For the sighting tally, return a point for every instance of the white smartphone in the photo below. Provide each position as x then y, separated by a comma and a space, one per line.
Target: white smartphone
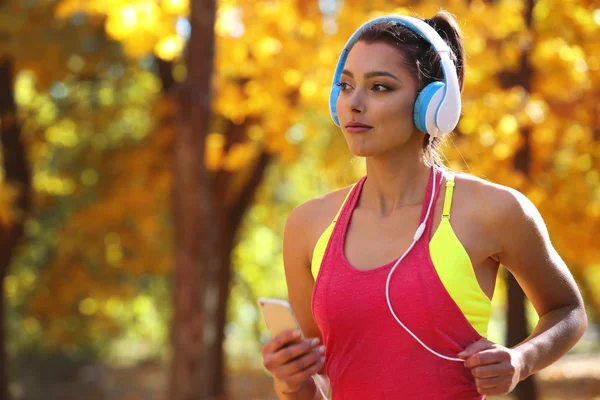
278, 315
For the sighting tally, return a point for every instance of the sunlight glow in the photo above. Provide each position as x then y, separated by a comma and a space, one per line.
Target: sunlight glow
229, 22
24, 88
175, 6
183, 28
129, 17
169, 48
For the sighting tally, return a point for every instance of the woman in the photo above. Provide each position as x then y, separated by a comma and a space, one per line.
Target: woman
413, 327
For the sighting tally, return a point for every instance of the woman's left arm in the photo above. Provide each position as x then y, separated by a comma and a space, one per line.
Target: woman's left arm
526, 251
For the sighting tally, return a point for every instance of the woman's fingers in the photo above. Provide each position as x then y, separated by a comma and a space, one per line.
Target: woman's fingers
280, 341
306, 359
292, 360
300, 376
285, 354
295, 350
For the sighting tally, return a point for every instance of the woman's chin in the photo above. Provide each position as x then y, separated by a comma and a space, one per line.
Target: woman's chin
363, 151
363, 145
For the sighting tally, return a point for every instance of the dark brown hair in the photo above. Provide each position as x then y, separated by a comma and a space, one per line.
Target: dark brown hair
420, 58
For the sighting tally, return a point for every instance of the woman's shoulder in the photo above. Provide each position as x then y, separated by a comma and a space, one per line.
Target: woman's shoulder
320, 209
491, 201
308, 220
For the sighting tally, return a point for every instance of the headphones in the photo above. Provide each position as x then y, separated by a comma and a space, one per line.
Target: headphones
438, 106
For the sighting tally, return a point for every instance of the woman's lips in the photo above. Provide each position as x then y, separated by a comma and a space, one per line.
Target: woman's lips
357, 129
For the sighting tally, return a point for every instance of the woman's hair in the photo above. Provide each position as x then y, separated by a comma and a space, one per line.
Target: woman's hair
420, 57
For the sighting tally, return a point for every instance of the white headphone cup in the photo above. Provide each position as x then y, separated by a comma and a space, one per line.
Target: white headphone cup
429, 98
432, 109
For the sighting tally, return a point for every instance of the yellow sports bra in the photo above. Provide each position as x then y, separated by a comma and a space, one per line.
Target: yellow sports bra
451, 262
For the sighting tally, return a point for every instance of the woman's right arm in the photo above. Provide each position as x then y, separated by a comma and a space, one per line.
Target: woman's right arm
293, 365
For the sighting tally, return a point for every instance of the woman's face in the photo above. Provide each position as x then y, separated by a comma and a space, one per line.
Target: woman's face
376, 90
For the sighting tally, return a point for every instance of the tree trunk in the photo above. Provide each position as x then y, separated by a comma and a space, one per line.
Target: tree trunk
589, 296
192, 210
229, 219
16, 172
517, 329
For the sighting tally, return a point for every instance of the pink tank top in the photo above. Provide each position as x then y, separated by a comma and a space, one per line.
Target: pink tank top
368, 354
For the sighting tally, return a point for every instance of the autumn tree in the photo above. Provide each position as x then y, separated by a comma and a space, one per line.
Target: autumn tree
16, 189
193, 211
52, 84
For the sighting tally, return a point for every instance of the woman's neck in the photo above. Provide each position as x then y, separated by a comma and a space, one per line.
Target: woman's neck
394, 181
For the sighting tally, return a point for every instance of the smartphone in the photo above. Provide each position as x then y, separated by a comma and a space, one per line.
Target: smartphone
278, 315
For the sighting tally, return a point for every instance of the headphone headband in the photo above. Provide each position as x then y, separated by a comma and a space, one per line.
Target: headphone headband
447, 111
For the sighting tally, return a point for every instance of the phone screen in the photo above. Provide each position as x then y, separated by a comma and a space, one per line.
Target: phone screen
278, 315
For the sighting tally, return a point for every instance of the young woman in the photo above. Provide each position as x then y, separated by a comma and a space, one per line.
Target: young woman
395, 314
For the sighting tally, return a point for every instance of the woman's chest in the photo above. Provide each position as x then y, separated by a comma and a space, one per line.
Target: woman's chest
373, 242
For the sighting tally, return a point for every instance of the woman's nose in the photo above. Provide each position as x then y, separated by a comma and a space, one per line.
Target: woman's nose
355, 103
356, 110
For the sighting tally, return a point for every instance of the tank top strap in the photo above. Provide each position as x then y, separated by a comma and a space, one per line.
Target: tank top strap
438, 180
448, 197
346, 211
344, 203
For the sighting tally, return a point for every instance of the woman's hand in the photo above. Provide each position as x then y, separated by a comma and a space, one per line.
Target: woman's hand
292, 360
497, 369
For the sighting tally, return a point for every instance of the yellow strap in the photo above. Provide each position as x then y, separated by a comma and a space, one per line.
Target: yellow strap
448, 198
343, 203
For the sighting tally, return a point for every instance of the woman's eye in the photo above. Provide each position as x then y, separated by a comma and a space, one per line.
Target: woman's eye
380, 88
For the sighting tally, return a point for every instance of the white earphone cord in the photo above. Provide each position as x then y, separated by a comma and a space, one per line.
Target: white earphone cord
416, 238
320, 384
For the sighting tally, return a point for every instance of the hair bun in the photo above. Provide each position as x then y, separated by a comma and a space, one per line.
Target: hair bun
447, 27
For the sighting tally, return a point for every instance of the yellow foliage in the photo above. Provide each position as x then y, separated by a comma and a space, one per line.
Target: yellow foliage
179, 7
139, 24
239, 156
215, 143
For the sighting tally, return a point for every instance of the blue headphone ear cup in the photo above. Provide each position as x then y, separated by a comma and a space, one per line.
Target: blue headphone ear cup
426, 107
335, 92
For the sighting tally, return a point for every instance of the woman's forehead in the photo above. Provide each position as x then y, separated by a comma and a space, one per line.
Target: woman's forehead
367, 56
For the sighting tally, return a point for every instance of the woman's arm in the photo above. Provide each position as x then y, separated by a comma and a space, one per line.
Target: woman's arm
526, 251
298, 243
547, 282
300, 235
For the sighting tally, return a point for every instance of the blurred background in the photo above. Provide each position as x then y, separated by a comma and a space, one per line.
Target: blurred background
140, 221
